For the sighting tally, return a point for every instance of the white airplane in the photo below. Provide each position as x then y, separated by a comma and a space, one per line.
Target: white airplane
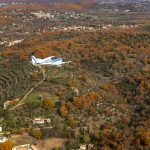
52, 60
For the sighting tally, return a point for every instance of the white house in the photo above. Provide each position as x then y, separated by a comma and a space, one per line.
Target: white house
3, 139
6, 104
23, 147
41, 120
82, 147
1, 129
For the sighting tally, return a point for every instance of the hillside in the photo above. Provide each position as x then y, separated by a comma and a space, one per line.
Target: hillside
105, 89
74, 1
100, 100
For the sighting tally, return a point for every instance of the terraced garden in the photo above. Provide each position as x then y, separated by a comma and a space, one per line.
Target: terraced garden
17, 80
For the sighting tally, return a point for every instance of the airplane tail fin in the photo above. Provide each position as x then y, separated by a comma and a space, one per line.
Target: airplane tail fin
33, 60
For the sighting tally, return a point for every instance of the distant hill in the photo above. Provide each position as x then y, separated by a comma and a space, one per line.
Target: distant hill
75, 1
64, 1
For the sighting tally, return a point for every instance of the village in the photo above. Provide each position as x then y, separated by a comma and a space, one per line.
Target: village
38, 123
30, 23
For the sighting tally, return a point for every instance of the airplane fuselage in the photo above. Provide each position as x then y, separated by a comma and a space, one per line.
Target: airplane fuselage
53, 61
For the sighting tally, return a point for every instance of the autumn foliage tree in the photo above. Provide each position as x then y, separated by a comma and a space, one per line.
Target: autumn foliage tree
86, 101
48, 104
143, 136
63, 110
6, 145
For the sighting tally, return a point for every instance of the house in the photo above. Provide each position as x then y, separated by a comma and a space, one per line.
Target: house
1, 129
82, 147
12, 43
86, 147
6, 135
3, 139
6, 104
90, 146
41, 121
22, 147
1, 124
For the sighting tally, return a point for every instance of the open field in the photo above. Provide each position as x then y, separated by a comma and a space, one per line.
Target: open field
47, 144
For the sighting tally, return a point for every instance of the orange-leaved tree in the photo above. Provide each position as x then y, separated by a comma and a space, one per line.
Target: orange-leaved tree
6, 145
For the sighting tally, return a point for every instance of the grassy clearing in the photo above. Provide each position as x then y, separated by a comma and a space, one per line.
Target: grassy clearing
39, 96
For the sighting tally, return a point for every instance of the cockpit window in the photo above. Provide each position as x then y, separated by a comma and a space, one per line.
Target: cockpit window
53, 58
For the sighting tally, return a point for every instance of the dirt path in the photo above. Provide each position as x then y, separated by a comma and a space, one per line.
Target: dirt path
21, 102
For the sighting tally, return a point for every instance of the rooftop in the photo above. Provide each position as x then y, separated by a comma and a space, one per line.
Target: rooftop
22, 147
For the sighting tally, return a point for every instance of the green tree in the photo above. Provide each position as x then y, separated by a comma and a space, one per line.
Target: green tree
36, 133
47, 104
86, 138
